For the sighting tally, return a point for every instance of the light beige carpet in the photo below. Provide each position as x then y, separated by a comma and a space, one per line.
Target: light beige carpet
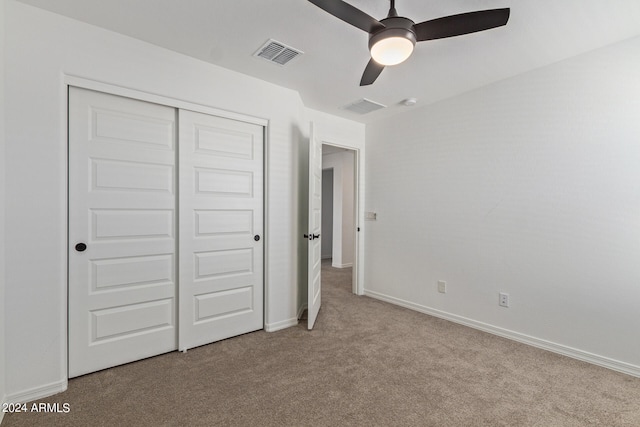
366, 363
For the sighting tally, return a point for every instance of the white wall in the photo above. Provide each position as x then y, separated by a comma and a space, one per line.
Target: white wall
529, 186
342, 241
41, 48
2, 208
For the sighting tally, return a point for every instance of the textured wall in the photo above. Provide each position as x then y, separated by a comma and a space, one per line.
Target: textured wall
2, 208
529, 186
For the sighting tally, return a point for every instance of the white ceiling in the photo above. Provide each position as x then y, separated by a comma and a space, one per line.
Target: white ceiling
327, 76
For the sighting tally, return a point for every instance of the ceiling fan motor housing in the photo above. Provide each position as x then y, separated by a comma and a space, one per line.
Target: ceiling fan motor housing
396, 26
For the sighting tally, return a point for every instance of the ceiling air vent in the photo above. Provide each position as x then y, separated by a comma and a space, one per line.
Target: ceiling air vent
280, 53
364, 106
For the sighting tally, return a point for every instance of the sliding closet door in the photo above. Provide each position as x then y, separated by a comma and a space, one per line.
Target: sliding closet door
122, 230
221, 228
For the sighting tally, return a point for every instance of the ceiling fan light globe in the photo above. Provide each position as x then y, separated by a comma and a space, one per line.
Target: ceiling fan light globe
392, 50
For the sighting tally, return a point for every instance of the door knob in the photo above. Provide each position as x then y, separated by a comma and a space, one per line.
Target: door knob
81, 247
256, 237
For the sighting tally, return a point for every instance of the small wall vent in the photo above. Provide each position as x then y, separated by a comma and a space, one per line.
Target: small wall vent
364, 106
276, 52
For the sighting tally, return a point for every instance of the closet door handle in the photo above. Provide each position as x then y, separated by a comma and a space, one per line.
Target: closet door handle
81, 247
256, 237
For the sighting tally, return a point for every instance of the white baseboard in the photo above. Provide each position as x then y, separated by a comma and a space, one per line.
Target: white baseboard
37, 392
585, 356
349, 264
283, 324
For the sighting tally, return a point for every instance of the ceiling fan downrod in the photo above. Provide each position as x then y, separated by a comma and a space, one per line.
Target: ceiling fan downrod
392, 11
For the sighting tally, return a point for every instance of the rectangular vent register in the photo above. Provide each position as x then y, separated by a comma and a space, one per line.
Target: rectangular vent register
276, 52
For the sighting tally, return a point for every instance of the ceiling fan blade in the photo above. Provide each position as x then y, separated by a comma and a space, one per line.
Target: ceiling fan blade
349, 14
464, 23
371, 73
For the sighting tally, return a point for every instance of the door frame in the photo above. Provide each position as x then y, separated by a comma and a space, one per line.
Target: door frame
83, 83
357, 282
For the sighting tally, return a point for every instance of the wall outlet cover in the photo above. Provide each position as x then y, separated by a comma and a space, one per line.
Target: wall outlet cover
503, 300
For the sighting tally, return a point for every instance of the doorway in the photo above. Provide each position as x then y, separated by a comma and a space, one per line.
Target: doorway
339, 208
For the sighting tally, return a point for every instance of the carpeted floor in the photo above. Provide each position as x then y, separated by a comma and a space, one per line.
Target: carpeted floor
367, 363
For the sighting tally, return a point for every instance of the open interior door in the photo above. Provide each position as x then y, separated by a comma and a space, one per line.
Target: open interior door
315, 222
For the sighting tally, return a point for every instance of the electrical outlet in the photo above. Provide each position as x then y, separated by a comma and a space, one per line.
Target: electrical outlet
442, 286
503, 299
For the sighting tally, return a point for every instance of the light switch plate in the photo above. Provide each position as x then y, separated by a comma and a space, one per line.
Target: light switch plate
442, 286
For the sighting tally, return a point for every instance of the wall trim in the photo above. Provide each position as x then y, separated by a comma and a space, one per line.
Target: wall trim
605, 362
283, 324
38, 392
266, 302
126, 92
349, 264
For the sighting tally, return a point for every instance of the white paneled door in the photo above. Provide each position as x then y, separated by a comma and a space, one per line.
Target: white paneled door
314, 293
137, 216
122, 230
221, 236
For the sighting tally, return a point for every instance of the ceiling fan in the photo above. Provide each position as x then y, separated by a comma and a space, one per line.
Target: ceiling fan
392, 39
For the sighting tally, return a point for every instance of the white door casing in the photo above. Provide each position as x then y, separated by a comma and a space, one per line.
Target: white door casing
314, 294
221, 228
122, 182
